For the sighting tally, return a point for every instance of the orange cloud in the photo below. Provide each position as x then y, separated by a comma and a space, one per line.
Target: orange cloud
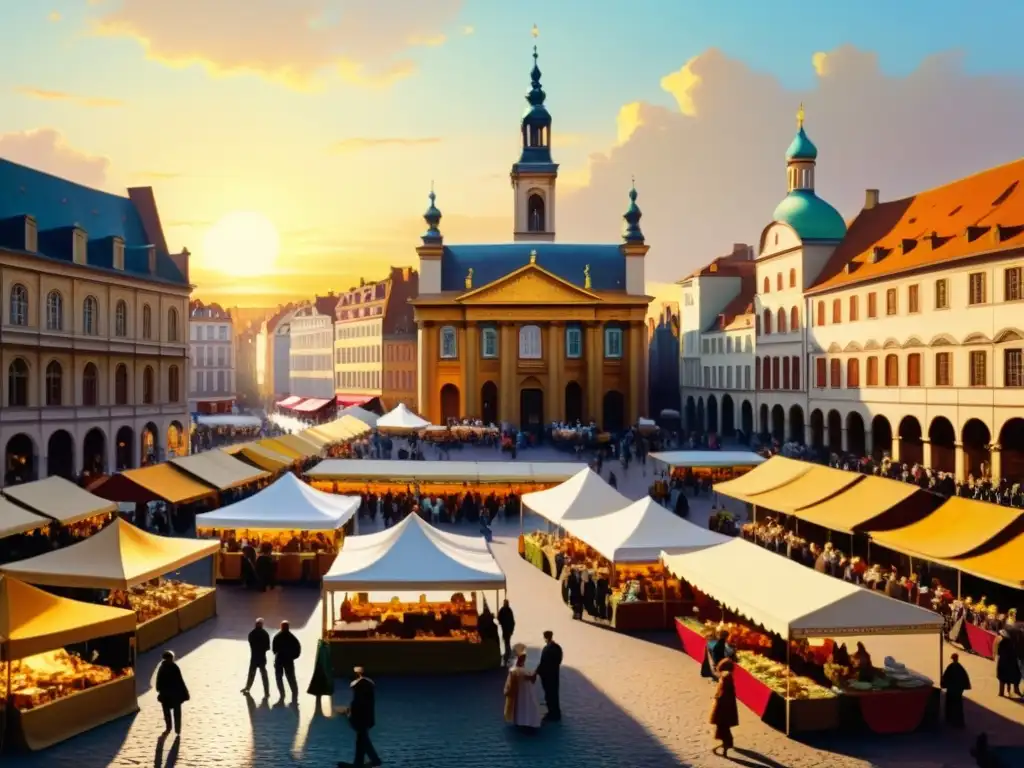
41, 94
294, 43
363, 142
46, 150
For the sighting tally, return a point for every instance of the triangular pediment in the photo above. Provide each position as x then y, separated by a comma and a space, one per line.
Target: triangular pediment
529, 285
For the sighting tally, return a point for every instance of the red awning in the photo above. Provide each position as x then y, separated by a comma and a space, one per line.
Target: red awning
290, 402
313, 404
347, 401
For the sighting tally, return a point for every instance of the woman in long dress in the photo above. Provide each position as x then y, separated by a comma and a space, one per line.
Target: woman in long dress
521, 707
724, 715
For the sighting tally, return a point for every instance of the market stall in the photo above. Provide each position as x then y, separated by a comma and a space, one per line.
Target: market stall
15, 520
130, 563
409, 602
63, 502
401, 420
235, 420
783, 621
65, 666
367, 417
288, 531
157, 482
219, 470
260, 457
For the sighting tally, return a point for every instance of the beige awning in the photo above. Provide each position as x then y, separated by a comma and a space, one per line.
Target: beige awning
274, 444
261, 457
15, 520
811, 487
316, 438
60, 499
855, 508
956, 529
774, 473
219, 469
305, 448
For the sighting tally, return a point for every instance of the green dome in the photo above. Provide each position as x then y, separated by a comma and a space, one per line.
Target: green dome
810, 216
801, 148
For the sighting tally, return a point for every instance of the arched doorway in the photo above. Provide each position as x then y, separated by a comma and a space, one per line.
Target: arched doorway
712, 414
796, 424
976, 439
691, 415
177, 440
835, 432
149, 445
747, 419
1011, 438
778, 424
450, 403
489, 403
911, 447
764, 430
698, 423
942, 436
817, 429
531, 405
20, 460
881, 437
573, 403
60, 455
614, 411
94, 452
125, 449
856, 439
728, 417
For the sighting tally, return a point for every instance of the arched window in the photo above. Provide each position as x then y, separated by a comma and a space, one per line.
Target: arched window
778, 281
121, 384
853, 373
54, 311
757, 373
767, 285
781, 321
90, 311
449, 345
148, 394
147, 322
914, 370
172, 324
17, 383
796, 372
766, 373
535, 213
785, 373
837, 311
90, 385
872, 371
173, 385
54, 383
121, 319
776, 379
529, 343
794, 319
766, 322
892, 371
19, 305
820, 319
835, 375
792, 278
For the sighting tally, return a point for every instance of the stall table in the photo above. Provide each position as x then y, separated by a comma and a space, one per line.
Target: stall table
980, 640
160, 629
428, 655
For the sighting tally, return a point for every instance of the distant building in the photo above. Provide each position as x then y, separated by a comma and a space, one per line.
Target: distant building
94, 329
246, 390
375, 342
663, 349
311, 351
273, 343
212, 352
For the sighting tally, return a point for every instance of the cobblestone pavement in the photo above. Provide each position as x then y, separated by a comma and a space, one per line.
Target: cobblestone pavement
628, 702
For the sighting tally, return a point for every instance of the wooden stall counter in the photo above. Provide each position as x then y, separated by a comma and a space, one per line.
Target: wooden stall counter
646, 615
980, 641
203, 608
289, 567
157, 631
421, 656
691, 636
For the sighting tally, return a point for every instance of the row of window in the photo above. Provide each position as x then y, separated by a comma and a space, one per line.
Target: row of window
400, 353
18, 384
357, 379
728, 345
314, 362
721, 377
767, 284
361, 331
530, 343
777, 373
210, 356
311, 340
209, 384
209, 332
364, 354
785, 322
90, 315
403, 381
829, 373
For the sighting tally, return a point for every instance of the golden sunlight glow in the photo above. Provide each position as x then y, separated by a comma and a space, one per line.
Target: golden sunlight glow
242, 244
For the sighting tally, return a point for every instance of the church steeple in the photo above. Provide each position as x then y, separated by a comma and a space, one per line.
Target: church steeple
801, 158
432, 216
632, 232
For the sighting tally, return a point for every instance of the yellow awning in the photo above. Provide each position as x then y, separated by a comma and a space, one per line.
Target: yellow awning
33, 621
859, 504
170, 484
218, 469
60, 499
1004, 565
317, 438
775, 472
263, 457
231, 450
305, 448
15, 520
118, 557
957, 528
355, 427
275, 445
817, 485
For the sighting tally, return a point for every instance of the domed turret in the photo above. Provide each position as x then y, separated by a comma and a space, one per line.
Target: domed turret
632, 232
801, 148
432, 217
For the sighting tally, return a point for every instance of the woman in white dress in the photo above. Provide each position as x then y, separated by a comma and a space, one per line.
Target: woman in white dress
521, 706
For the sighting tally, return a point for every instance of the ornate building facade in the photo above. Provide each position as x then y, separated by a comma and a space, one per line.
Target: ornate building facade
533, 331
212, 351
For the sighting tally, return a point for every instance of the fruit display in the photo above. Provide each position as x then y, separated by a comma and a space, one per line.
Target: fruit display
46, 677
152, 600
776, 676
397, 620
741, 637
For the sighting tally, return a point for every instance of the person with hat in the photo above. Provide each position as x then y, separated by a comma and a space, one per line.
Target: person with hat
171, 692
521, 707
361, 717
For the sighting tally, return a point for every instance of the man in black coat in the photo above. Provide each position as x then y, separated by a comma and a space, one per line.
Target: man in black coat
361, 717
286, 649
259, 645
548, 672
507, 622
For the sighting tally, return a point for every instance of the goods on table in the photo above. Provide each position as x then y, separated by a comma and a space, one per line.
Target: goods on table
741, 638
397, 620
46, 677
155, 599
776, 675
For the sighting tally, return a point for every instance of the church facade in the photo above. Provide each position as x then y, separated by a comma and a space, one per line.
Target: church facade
533, 331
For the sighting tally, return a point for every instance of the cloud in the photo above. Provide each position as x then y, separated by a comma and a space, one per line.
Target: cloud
358, 144
41, 94
54, 16
295, 43
469, 29
711, 170
46, 150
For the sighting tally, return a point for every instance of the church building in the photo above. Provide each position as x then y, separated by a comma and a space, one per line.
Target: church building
533, 331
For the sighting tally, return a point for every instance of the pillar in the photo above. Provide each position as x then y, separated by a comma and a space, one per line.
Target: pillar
594, 350
507, 354
995, 462
844, 443
555, 406
960, 472
429, 399
894, 452
926, 453
635, 362
470, 384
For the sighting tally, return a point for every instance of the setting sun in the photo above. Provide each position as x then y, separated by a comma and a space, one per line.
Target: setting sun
242, 244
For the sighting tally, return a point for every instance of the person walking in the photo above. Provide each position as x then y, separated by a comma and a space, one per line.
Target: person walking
507, 622
361, 717
286, 649
1008, 671
259, 646
724, 715
548, 670
171, 692
955, 681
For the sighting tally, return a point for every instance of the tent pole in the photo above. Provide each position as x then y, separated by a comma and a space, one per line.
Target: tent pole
959, 576
789, 673
664, 598
323, 614
942, 661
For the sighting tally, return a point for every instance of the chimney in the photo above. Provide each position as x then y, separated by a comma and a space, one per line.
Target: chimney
870, 199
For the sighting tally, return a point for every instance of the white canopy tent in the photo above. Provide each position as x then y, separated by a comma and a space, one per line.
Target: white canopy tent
482, 472
228, 420
709, 459
287, 504
401, 418
583, 495
640, 532
368, 418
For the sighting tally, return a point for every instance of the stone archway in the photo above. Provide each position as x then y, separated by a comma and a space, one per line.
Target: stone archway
911, 445
881, 437
747, 419
149, 445
796, 425
728, 417
94, 452
691, 415
764, 426
835, 432
778, 424
699, 421
817, 429
614, 411
450, 403
1011, 439
177, 440
712, 414
942, 437
489, 402
856, 436
976, 439
60, 455
124, 450
573, 403
20, 460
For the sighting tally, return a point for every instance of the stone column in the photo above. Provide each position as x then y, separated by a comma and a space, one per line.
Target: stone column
508, 353
996, 462
471, 386
428, 397
926, 453
634, 360
894, 452
960, 473
594, 350
555, 406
